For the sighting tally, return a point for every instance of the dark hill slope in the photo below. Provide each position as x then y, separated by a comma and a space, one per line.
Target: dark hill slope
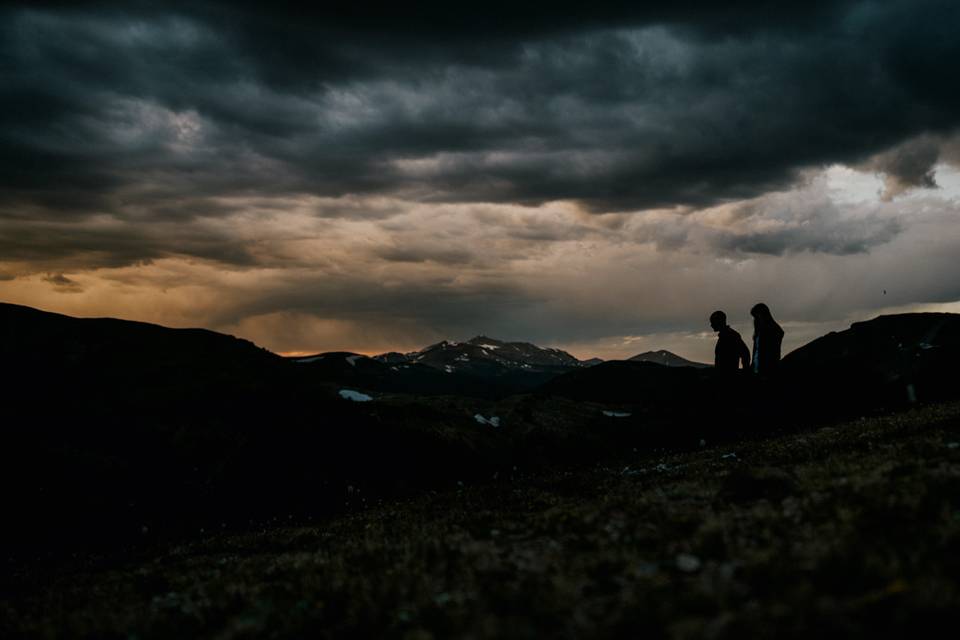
349, 369
881, 363
848, 531
482, 379
371, 374
631, 382
662, 405
112, 427
54, 346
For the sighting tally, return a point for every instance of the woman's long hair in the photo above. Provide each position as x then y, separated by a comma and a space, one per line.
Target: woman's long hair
762, 318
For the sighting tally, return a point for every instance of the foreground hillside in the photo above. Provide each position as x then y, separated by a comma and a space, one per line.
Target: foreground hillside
849, 529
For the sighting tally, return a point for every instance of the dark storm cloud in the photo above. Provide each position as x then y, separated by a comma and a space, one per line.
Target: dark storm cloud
805, 220
432, 302
845, 238
415, 254
908, 166
146, 112
63, 284
357, 209
74, 247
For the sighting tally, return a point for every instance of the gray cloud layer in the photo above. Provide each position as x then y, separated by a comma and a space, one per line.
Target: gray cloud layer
107, 109
356, 155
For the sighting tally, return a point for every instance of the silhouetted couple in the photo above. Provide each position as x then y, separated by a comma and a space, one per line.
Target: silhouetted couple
731, 351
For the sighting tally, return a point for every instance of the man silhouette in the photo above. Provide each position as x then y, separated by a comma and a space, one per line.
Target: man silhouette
731, 351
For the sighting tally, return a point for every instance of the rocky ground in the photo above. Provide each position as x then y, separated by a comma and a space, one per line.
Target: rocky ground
848, 529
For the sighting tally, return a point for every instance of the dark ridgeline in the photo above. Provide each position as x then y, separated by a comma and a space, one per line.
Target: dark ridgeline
884, 363
667, 359
114, 428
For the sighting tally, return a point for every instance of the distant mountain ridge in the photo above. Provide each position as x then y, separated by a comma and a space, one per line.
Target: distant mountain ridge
47, 345
481, 352
667, 359
485, 356
481, 366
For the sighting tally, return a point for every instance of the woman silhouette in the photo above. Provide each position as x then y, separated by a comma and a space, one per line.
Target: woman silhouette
767, 338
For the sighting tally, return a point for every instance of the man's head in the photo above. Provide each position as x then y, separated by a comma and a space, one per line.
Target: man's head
718, 320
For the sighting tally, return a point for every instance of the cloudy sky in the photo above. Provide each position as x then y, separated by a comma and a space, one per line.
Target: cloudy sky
598, 179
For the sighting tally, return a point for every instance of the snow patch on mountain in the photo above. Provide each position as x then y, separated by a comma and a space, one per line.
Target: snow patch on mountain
493, 421
356, 396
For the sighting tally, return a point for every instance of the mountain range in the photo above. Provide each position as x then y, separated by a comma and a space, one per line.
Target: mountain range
480, 351
667, 359
486, 357
479, 367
